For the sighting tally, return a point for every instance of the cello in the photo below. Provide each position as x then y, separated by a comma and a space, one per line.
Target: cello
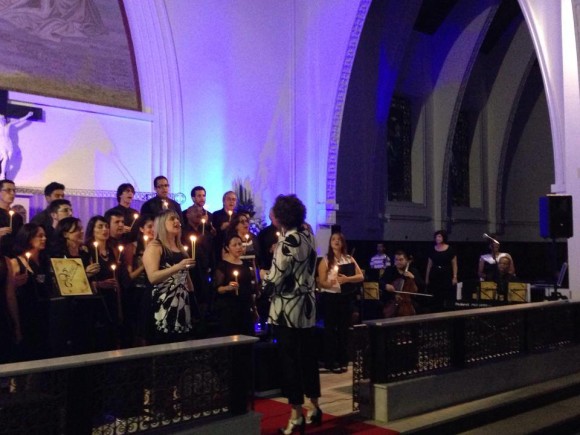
402, 305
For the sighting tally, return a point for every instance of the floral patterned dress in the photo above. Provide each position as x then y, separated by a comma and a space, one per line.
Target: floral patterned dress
171, 299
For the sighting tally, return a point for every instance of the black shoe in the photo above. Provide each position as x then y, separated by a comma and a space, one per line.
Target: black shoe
315, 418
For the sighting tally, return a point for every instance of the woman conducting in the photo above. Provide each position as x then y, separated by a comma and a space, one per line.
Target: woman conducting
293, 310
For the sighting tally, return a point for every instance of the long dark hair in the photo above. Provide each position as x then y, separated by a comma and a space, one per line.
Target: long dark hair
23, 239
58, 246
343, 249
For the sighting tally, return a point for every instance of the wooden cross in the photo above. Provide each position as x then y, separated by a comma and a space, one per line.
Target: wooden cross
16, 111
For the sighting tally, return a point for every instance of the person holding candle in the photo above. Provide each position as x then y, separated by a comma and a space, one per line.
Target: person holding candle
338, 274
68, 242
102, 248
291, 282
235, 284
9, 224
125, 194
221, 218
204, 256
138, 288
198, 195
161, 201
115, 218
33, 290
83, 316
240, 224
167, 264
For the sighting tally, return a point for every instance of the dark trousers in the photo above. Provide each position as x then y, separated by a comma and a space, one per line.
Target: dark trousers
337, 319
297, 350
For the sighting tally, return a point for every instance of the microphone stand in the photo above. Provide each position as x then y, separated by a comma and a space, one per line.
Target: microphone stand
556, 295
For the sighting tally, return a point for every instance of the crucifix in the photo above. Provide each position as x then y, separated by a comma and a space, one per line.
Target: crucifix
19, 115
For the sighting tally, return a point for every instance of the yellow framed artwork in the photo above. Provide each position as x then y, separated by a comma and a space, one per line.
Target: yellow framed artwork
70, 277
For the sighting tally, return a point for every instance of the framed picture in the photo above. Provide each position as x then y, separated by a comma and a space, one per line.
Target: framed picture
71, 278
21, 205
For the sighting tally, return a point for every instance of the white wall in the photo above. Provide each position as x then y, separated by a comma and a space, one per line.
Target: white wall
81, 145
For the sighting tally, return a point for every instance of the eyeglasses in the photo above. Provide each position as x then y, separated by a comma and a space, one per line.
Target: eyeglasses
9, 190
161, 186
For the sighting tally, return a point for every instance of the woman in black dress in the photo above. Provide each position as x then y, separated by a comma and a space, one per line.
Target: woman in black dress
10, 333
167, 266
102, 252
441, 276
138, 288
235, 283
31, 266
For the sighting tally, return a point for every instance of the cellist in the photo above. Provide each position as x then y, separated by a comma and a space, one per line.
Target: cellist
400, 277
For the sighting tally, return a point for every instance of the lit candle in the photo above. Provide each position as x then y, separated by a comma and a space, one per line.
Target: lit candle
202, 226
114, 267
278, 235
145, 240
236, 279
28, 254
135, 216
230, 213
96, 245
11, 213
193, 240
247, 236
164, 205
185, 248
121, 247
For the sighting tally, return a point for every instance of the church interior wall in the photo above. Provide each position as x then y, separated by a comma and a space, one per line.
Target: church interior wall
84, 146
492, 96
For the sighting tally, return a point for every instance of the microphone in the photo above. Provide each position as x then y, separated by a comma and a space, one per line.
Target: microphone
487, 236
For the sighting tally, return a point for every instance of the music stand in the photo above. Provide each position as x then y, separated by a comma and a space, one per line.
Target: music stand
517, 292
556, 295
487, 291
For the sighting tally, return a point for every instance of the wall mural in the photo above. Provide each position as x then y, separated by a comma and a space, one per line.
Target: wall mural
70, 49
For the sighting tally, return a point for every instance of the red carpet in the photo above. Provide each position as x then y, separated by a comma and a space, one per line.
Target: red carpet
275, 415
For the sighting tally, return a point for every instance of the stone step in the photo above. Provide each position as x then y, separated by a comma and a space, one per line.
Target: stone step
552, 400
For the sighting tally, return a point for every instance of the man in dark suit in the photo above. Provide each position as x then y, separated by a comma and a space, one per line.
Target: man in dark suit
161, 201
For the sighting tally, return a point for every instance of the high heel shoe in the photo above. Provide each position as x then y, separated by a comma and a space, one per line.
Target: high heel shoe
315, 417
299, 424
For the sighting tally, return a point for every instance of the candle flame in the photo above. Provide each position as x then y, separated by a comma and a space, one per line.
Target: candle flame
95, 243
121, 247
135, 216
11, 212
113, 267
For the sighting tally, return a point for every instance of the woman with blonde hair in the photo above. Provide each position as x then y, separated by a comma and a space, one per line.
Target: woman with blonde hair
166, 264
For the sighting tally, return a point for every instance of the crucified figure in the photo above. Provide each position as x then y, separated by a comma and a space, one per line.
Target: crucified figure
6, 145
